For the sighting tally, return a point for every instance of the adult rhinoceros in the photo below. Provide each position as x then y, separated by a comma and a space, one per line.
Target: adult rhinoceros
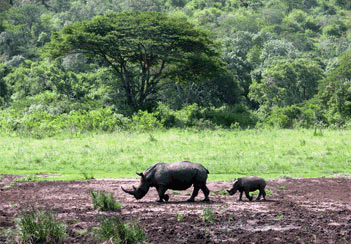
175, 176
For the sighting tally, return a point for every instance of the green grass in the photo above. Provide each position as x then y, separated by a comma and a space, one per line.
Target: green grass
113, 230
38, 226
26, 178
226, 154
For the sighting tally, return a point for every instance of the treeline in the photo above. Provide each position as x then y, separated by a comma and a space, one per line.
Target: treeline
88, 65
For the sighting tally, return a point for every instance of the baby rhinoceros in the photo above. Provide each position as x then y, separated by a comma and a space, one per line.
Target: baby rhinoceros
247, 184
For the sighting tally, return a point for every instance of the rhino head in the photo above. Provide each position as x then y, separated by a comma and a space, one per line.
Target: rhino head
142, 189
234, 188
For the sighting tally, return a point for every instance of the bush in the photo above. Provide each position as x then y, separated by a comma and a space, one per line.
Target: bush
144, 121
37, 226
294, 116
113, 230
39, 123
104, 202
226, 116
103, 119
205, 118
207, 215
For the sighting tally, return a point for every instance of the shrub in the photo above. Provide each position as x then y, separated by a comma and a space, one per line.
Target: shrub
182, 118
37, 226
207, 215
180, 217
294, 116
226, 116
104, 202
39, 123
113, 230
206, 118
145, 121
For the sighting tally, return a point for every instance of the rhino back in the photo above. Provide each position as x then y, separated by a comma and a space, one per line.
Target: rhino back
179, 175
252, 183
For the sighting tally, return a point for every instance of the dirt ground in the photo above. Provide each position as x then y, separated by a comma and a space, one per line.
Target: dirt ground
306, 210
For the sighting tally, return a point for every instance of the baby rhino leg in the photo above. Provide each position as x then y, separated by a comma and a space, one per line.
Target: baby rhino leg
247, 193
241, 195
263, 193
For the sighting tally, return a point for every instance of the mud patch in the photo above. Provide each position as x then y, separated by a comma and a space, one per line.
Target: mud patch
297, 211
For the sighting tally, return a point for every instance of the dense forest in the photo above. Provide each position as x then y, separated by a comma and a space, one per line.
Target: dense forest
141, 64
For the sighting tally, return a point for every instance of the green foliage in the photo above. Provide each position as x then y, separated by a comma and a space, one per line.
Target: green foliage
180, 217
287, 82
115, 231
4, 91
207, 215
292, 117
111, 55
183, 51
22, 27
205, 118
304, 115
335, 91
144, 121
104, 202
38, 226
226, 116
87, 176
39, 123
44, 121
278, 48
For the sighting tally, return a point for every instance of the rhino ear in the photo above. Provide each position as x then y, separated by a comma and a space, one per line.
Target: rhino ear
140, 174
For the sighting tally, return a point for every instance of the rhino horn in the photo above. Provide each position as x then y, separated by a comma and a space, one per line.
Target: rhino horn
129, 192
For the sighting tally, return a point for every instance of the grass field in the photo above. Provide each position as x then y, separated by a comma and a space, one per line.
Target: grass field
226, 154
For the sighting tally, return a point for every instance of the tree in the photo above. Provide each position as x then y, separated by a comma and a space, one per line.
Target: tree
335, 89
143, 48
287, 82
4, 70
236, 48
22, 28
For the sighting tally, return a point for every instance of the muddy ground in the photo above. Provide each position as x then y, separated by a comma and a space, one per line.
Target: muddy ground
315, 210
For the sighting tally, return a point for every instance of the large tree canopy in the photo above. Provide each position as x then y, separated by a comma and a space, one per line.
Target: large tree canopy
143, 48
287, 82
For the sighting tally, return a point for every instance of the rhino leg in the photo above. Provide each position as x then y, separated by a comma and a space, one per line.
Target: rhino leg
195, 192
161, 193
166, 197
247, 193
241, 195
262, 193
206, 192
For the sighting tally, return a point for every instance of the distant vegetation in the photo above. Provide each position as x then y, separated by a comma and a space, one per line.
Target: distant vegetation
79, 66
